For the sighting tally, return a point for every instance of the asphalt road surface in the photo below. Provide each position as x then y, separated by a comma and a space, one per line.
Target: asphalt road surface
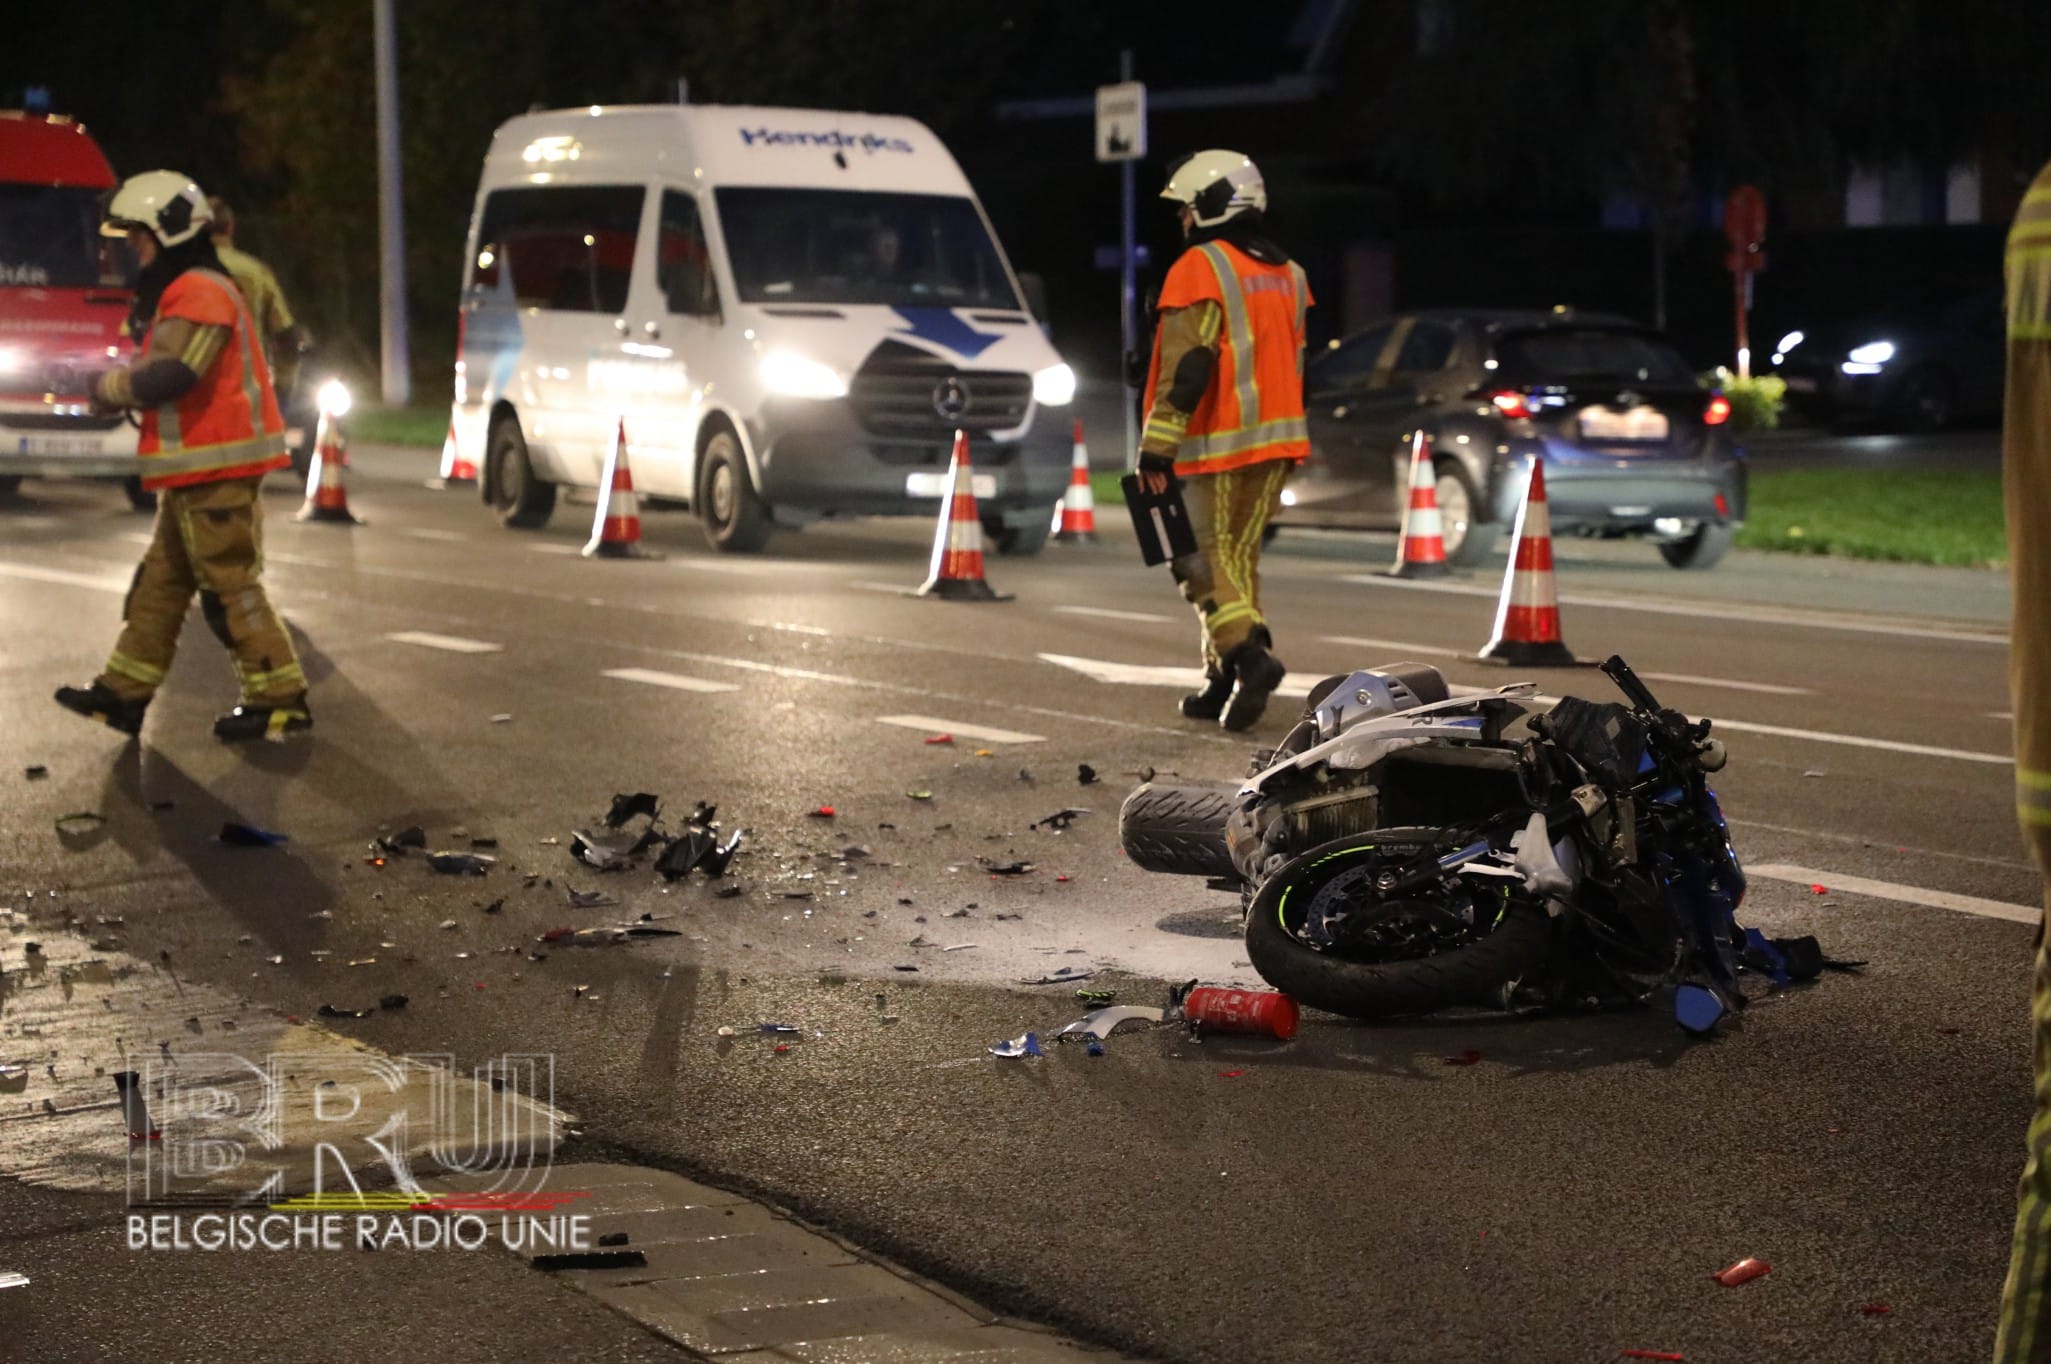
1345, 1196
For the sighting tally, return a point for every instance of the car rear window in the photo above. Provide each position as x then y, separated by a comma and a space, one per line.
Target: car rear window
1565, 355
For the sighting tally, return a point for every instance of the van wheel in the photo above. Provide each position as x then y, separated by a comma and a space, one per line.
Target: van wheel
139, 497
522, 501
1020, 541
736, 520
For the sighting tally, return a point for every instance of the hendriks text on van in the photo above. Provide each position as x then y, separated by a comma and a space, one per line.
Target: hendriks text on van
868, 142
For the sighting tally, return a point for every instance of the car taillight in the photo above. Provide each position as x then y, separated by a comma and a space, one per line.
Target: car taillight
1511, 404
1718, 412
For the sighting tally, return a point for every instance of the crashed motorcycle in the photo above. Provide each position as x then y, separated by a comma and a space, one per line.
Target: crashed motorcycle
1406, 850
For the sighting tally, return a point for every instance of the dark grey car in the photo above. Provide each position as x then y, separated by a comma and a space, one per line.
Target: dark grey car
1631, 444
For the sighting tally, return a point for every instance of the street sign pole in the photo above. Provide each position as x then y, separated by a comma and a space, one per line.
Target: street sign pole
395, 359
1122, 137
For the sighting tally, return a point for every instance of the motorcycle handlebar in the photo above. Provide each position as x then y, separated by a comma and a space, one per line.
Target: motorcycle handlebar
1629, 684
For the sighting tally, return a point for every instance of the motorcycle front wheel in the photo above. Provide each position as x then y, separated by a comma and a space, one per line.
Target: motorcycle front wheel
1318, 930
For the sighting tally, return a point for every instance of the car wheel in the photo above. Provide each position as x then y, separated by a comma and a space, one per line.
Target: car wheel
1467, 540
522, 501
735, 518
139, 497
1928, 398
1704, 548
1020, 541
10, 484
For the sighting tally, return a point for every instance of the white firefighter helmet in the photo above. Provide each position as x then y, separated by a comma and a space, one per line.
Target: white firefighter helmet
162, 202
1218, 185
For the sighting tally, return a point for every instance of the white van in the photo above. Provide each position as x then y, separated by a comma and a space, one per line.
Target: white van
792, 310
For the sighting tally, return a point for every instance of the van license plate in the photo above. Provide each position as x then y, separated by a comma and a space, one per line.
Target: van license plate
935, 485
1634, 423
60, 445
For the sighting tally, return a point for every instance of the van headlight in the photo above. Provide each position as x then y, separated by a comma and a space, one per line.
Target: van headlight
333, 398
1872, 353
1054, 386
793, 376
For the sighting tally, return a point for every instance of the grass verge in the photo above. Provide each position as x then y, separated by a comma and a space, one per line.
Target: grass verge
1920, 516
420, 424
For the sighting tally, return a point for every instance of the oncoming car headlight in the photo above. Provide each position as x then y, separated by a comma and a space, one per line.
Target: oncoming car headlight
792, 375
1054, 386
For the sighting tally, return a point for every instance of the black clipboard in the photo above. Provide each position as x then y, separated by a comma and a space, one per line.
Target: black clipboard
1160, 520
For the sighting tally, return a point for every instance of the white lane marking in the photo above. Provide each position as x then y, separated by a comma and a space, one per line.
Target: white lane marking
894, 589
2000, 715
118, 586
1888, 890
451, 537
556, 549
137, 537
1767, 615
1764, 688
454, 644
1862, 841
1150, 675
676, 681
933, 725
1394, 646
1106, 613
1856, 741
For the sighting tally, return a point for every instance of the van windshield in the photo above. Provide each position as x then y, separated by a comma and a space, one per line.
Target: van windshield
50, 239
854, 246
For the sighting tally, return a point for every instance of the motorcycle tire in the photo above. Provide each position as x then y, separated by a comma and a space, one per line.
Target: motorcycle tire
1179, 830
1476, 973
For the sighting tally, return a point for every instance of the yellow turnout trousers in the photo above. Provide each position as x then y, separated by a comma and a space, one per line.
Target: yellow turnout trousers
208, 539
1222, 580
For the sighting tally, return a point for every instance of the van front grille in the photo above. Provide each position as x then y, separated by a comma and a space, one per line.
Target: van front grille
901, 390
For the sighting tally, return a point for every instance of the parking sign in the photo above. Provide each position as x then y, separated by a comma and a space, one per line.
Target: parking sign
1122, 121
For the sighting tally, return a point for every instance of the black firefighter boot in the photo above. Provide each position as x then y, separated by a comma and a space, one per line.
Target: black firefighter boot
275, 722
1255, 673
96, 702
1209, 703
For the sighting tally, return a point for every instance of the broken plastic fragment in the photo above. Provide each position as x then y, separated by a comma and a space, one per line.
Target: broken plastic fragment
1085, 775
79, 821
1103, 1022
1697, 1009
503, 717
1652, 1354
461, 864
625, 807
1065, 976
588, 899
11, 1279
1029, 1045
1230, 1074
1465, 1058
1096, 996
334, 1011
940, 739
1875, 1309
920, 795
613, 1238
823, 812
1019, 868
35, 772
1819, 890
1060, 819
392, 1001
1744, 1271
13, 1077
249, 836
778, 1027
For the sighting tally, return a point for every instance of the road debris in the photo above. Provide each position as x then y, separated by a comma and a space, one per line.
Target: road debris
1018, 868
1060, 819
823, 812
588, 899
1874, 1309
337, 1011
80, 821
393, 1001
397, 845
1101, 1023
1465, 1058
1028, 1045
1268, 1012
940, 739
35, 772
1744, 1271
919, 795
626, 807
249, 836
590, 1259
11, 1279
1652, 1354
502, 718
1065, 976
1085, 775
461, 864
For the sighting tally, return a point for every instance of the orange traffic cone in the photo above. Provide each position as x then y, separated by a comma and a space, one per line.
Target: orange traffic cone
1421, 547
455, 469
616, 530
1079, 503
957, 571
326, 497
1527, 632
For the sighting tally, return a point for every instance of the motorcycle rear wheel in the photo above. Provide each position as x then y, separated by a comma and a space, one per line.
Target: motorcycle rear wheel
1474, 972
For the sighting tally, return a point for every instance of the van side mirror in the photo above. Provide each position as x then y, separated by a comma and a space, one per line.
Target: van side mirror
1035, 287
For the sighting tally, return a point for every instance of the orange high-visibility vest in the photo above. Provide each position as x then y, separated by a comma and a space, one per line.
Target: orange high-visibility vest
228, 424
1253, 410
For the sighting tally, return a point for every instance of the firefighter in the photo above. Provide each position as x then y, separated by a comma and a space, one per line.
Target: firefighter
1226, 417
2025, 1332
210, 432
282, 337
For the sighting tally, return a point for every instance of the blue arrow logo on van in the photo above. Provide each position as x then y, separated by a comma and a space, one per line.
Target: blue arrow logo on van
940, 327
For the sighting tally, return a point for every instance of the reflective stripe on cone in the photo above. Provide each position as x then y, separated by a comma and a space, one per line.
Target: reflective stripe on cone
1079, 503
957, 568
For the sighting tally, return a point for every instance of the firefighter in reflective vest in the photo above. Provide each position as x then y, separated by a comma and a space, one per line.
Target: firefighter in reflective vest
210, 432
1225, 389
2025, 1332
